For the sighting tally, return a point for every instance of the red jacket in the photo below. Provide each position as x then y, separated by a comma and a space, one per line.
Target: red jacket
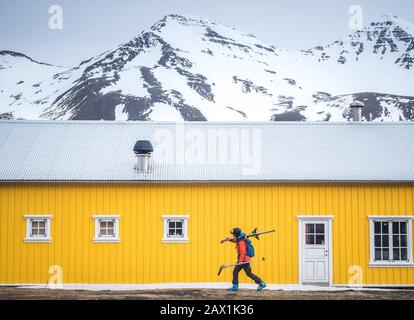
241, 250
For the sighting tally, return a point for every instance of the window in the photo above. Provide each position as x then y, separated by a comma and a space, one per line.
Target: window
106, 228
38, 228
315, 233
391, 241
175, 229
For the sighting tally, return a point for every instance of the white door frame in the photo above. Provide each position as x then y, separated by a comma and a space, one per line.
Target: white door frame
328, 219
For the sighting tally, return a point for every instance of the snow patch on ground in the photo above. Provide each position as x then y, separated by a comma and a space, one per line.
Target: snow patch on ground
130, 83
120, 115
164, 112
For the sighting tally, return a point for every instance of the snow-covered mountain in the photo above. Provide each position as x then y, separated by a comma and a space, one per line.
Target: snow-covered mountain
187, 68
20, 76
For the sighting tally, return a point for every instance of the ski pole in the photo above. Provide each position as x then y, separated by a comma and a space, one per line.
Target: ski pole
222, 267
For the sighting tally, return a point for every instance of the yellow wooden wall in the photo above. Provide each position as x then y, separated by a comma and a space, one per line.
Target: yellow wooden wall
214, 209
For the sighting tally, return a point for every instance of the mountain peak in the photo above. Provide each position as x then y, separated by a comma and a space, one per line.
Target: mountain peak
184, 20
177, 17
20, 55
188, 19
179, 29
391, 22
389, 31
388, 17
13, 54
388, 37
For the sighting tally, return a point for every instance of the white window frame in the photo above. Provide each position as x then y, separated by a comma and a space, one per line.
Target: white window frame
100, 239
168, 239
408, 220
33, 217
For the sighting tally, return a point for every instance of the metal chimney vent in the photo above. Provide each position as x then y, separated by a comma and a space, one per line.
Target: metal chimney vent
356, 107
143, 150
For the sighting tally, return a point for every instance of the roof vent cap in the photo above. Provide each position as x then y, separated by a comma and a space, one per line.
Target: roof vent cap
143, 150
143, 147
356, 107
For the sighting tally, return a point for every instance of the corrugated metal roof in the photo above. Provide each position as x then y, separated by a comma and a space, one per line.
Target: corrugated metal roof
299, 151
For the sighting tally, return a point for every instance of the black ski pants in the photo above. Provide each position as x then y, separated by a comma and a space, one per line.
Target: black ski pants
248, 271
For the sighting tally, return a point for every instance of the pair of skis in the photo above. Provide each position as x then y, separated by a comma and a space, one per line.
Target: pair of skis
253, 234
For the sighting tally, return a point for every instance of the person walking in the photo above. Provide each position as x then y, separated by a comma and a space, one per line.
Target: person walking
242, 248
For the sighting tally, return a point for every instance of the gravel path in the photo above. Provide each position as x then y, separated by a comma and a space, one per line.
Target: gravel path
203, 294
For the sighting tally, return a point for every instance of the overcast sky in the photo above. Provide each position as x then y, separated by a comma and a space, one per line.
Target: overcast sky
93, 26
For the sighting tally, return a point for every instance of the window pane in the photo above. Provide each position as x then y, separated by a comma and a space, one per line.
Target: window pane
385, 241
103, 232
38, 228
385, 254
179, 231
110, 232
403, 227
396, 254
320, 228
171, 232
396, 241
377, 241
110, 224
179, 224
403, 241
310, 228
171, 224
378, 254
377, 227
384, 227
310, 239
395, 227
320, 239
404, 254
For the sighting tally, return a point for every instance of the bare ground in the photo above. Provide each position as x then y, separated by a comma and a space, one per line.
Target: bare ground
201, 294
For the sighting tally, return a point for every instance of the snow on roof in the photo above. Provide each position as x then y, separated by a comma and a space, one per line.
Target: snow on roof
207, 151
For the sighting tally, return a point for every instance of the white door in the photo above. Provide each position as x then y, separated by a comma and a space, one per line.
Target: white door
315, 251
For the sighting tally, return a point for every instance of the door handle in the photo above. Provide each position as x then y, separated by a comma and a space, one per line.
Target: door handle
326, 253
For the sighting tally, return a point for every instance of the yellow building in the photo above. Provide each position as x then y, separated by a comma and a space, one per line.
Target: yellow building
77, 205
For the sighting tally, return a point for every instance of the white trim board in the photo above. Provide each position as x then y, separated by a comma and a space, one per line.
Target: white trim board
314, 217
206, 285
373, 286
390, 265
328, 219
383, 217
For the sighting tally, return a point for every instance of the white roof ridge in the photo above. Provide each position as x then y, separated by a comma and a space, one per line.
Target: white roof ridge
207, 123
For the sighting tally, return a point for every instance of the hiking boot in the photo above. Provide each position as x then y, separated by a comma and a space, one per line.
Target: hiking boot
261, 286
235, 287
